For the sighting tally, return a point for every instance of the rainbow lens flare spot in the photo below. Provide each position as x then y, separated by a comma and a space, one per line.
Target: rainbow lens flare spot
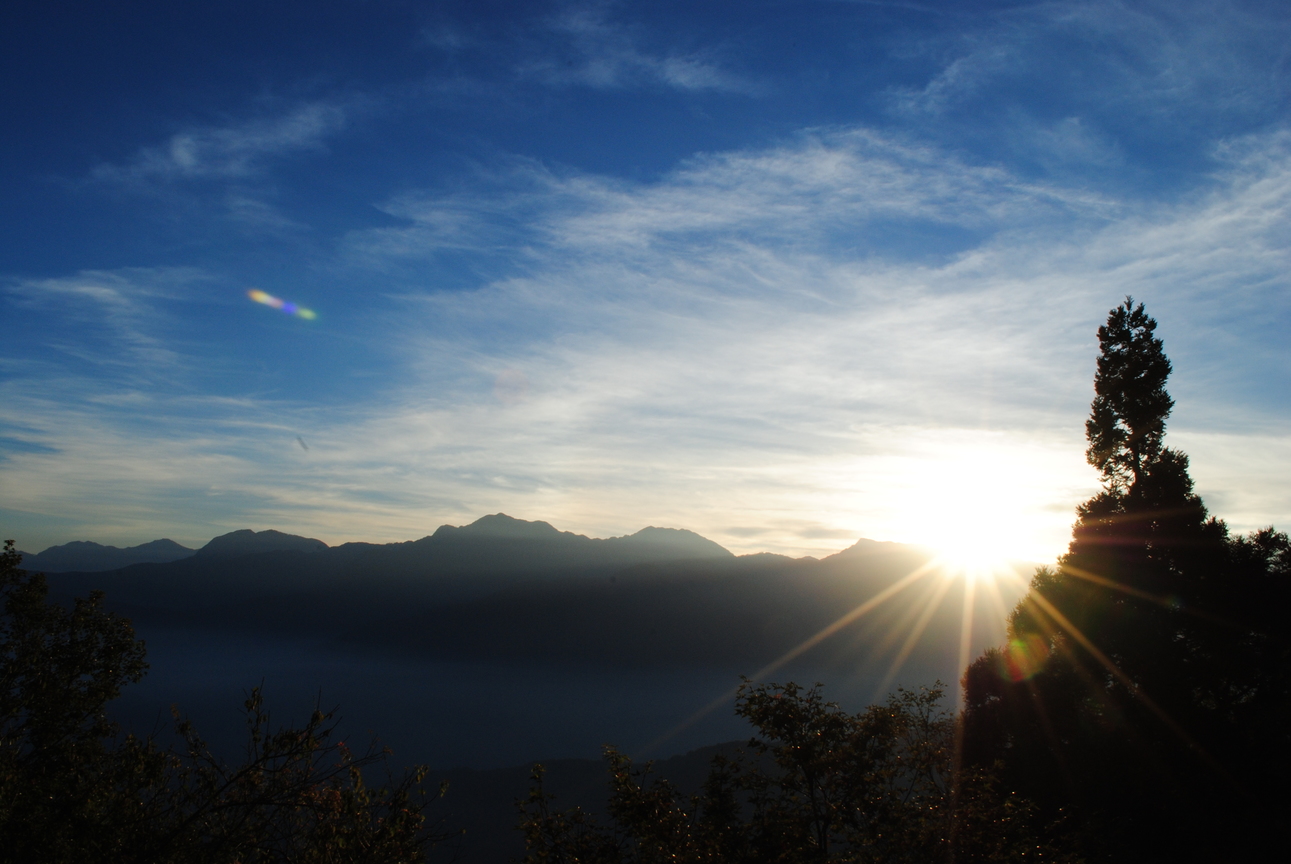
1023, 658
281, 305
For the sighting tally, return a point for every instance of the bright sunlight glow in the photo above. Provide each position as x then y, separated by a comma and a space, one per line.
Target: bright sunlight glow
979, 503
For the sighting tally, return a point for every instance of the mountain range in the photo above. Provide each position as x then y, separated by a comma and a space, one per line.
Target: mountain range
89, 557
647, 544
505, 590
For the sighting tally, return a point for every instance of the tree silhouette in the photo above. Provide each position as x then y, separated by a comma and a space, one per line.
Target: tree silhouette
1138, 669
1127, 419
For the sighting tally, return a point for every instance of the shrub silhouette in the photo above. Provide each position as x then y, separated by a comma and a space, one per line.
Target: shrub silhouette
816, 784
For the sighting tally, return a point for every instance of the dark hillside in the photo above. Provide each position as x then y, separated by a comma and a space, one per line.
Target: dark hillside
248, 542
738, 613
84, 556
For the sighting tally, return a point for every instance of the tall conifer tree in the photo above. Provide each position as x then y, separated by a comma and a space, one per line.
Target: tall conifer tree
1127, 419
1138, 668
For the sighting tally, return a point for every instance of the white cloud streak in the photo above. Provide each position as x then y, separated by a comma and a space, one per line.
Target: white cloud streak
228, 152
121, 307
606, 56
1155, 60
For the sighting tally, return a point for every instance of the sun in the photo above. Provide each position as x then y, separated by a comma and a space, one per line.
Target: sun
971, 530
972, 546
975, 507
970, 559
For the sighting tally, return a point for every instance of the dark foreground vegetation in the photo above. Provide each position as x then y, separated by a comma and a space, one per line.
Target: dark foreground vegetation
819, 784
73, 789
1140, 711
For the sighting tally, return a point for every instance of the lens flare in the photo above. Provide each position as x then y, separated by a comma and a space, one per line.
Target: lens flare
1023, 658
281, 305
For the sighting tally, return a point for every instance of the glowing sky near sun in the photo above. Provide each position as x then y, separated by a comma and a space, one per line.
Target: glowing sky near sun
783, 274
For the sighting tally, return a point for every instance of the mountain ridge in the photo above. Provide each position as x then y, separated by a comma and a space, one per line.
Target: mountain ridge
508, 590
450, 565
88, 557
249, 542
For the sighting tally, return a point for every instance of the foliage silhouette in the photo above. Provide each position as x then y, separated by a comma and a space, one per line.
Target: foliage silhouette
1144, 689
1127, 419
820, 784
72, 788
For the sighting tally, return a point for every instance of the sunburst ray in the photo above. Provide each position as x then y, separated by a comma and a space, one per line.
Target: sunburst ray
797, 651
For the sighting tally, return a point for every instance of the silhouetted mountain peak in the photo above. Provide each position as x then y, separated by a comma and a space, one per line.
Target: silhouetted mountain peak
163, 546
675, 540
864, 548
248, 542
80, 546
89, 557
771, 558
500, 525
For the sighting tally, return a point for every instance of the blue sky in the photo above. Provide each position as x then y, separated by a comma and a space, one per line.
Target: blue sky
786, 274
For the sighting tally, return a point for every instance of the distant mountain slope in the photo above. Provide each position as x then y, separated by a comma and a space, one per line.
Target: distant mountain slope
84, 556
686, 544
248, 542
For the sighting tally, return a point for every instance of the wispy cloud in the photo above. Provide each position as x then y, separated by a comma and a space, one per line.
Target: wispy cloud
1177, 69
117, 314
824, 189
603, 54
226, 171
228, 152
